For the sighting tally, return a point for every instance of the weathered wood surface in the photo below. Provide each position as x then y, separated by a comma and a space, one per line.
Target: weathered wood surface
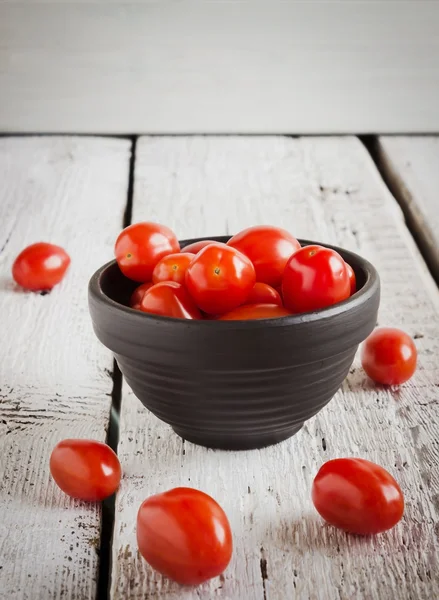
55, 378
327, 189
411, 166
228, 66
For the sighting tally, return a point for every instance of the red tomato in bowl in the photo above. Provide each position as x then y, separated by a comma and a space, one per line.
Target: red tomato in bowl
262, 293
389, 356
172, 267
358, 496
314, 277
85, 469
269, 249
185, 535
251, 312
352, 278
169, 299
40, 266
195, 247
139, 292
219, 279
140, 246
279, 291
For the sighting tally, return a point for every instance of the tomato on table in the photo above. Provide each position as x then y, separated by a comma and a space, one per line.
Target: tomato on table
219, 279
269, 249
172, 267
140, 246
251, 312
315, 277
389, 356
139, 292
169, 299
40, 266
262, 293
184, 534
358, 496
85, 469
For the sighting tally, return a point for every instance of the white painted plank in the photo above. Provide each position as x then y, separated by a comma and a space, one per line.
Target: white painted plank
55, 378
270, 66
411, 165
327, 189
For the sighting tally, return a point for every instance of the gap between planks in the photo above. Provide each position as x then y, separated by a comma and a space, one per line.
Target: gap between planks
71, 191
108, 505
408, 165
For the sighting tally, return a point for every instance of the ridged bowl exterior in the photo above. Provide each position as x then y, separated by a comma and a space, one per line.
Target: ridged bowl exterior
234, 384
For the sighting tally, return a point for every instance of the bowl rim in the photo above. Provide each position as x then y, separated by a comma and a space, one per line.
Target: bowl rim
370, 287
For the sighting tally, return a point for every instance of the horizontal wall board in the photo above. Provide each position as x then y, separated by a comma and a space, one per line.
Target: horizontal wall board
221, 67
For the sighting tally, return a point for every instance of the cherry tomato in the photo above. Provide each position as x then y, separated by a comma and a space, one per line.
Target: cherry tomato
40, 266
172, 267
262, 293
269, 249
169, 299
185, 535
357, 495
139, 292
352, 278
140, 246
250, 312
219, 279
389, 356
85, 469
195, 247
314, 277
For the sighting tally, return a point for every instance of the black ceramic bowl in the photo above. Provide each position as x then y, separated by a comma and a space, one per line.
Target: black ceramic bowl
234, 384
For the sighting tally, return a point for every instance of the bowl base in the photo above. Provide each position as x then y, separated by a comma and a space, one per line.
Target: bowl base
239, 442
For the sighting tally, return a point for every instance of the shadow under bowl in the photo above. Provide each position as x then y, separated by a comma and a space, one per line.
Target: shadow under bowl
234, 384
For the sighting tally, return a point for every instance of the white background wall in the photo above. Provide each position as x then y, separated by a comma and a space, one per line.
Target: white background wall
219, 66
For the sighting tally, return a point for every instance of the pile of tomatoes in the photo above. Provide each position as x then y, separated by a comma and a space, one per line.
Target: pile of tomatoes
261, 272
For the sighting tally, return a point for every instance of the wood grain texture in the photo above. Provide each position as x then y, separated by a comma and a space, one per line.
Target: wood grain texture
411, 165
270, 66
55, 378
327, 189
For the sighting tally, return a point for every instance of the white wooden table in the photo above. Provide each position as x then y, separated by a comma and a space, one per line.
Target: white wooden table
57, 381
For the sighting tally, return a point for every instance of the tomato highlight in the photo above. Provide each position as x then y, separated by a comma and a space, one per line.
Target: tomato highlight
169, 299
269, 249
140, 246
315, 277
219, 279
139, 292
172, 267
85, 469
357, 496
185, 535
262, 293
40, 266
389, 356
